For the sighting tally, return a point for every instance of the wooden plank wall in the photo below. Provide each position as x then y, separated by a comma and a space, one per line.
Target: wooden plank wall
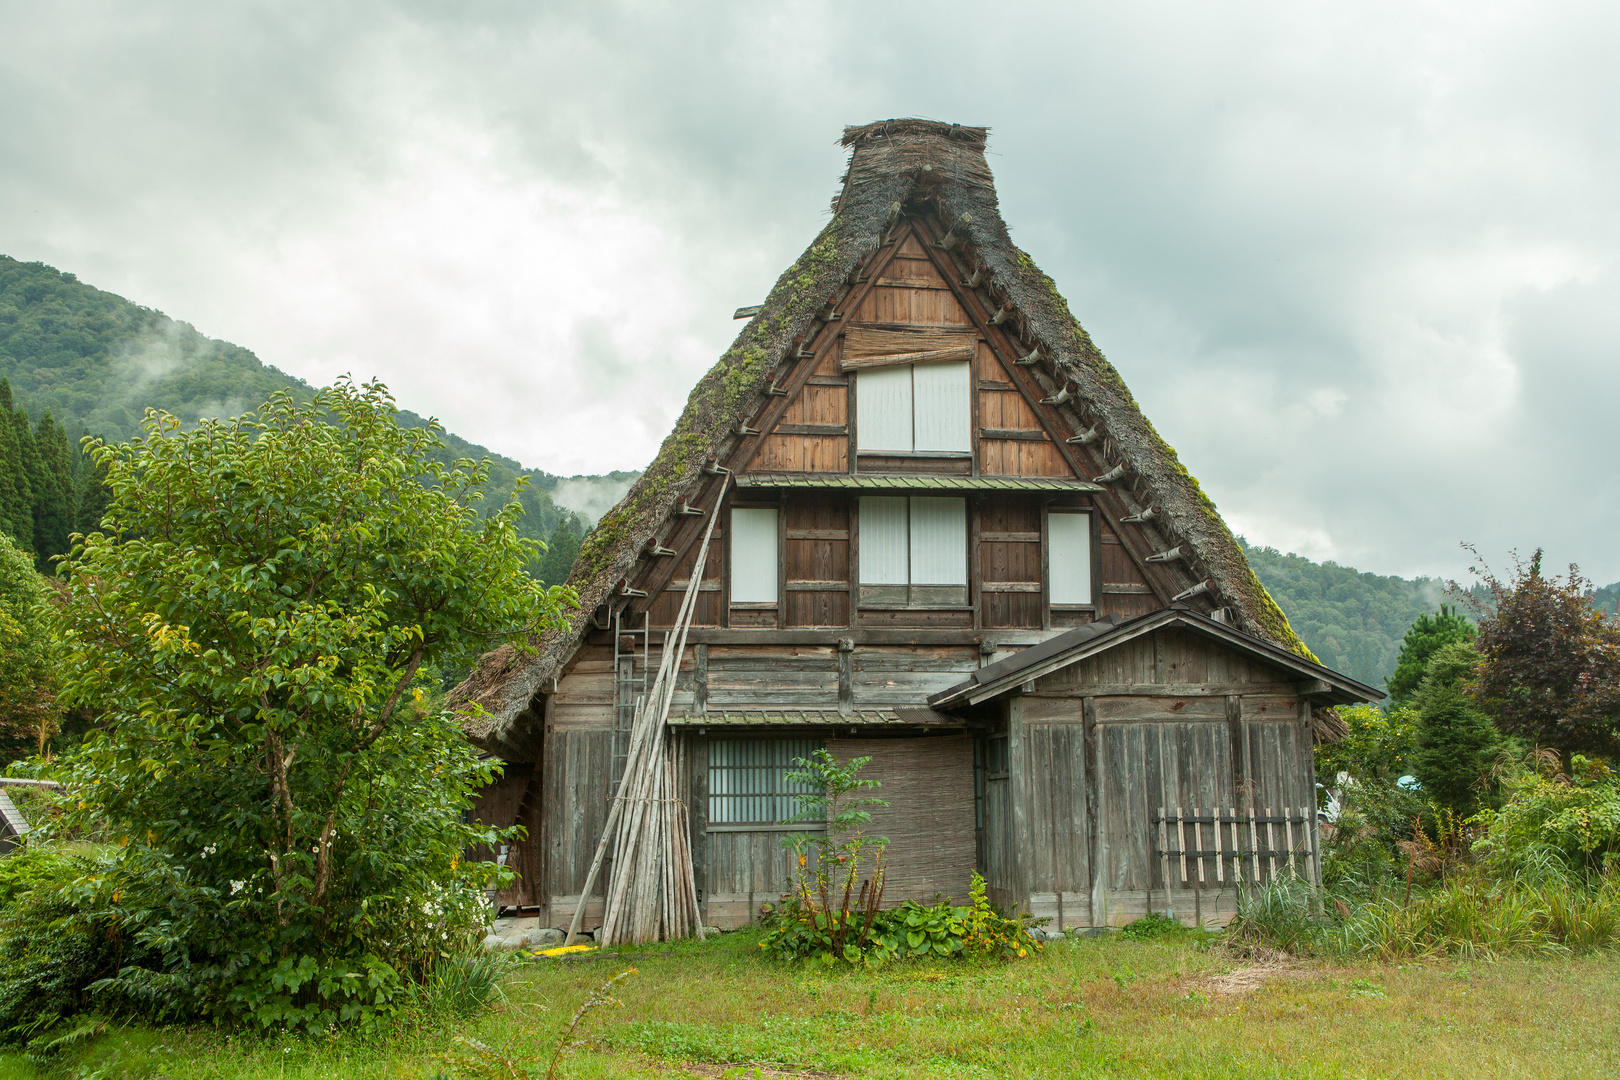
816, 544
1010, 564
511, 800
576, 769
1170, 719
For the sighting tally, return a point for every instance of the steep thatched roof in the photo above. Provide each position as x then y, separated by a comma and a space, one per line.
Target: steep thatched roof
937, 171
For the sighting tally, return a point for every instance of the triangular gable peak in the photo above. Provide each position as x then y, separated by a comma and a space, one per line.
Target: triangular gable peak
917, 211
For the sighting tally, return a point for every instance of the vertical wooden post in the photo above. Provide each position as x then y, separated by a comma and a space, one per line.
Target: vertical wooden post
1288, 824
1164, 860
1254, 848
1018, 791
1181, 843
1220, 861
1271, 846
1198, 843
1095, 807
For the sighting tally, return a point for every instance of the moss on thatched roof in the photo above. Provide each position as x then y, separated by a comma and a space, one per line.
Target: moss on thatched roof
929, 168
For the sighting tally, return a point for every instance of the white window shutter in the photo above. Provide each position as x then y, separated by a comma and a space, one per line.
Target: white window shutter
883, 551
1068, 558
883, 409
753, 556
938, 541
942, 398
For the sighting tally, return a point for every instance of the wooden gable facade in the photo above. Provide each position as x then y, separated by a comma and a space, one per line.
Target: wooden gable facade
916, 492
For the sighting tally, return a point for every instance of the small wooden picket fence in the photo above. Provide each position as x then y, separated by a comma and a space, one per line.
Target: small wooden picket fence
1235, 844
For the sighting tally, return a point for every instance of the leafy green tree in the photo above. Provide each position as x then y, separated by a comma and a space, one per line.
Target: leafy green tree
268, 603
1456, 742
27, 683
1551, 670
561, 551
1428, 633
1378, 745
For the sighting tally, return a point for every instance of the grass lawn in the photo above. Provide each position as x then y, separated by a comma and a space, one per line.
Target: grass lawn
1099, 1007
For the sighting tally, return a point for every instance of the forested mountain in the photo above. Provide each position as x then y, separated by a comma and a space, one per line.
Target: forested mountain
79, 360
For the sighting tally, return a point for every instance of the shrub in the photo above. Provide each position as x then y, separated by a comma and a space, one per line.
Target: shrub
912, 930
1153, 926
1574, 820
270, 602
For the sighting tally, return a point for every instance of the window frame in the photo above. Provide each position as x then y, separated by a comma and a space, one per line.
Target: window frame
794, 745
913, 595
969, 407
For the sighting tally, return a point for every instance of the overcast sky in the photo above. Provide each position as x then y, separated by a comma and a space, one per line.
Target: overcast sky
1360, 263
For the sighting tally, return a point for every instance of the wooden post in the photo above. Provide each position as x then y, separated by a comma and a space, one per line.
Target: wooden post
1198, 844
1254, 848
1164, 860
1288, 824
1220, 861
1181, 842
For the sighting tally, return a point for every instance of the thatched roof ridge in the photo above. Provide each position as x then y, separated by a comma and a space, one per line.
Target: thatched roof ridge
922, 166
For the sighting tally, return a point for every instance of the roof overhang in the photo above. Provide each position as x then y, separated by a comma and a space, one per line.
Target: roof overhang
915, 716
1323, 684
864, 482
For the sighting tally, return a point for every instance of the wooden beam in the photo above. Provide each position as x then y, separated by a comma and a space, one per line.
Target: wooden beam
1019, 434
929, 356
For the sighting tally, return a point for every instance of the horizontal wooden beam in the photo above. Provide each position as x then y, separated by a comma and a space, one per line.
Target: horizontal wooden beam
1010, 537
700, 635
810, 429
1018, 434
1126, 588
930, 356
1010, 586
817, 586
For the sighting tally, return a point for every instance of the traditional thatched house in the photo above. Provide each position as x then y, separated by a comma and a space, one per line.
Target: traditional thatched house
950, 540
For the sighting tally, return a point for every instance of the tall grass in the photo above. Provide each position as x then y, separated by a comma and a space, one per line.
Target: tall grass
459, 985
1468, 914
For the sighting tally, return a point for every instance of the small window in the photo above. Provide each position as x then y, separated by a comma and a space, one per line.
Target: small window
753, 555
1068, 557
748, 782
914, 408
913, 551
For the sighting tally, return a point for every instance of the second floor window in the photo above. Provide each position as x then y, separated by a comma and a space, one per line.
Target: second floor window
914, 408
913, 550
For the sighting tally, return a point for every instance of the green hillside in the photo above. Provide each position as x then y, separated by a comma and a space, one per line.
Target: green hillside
94, 361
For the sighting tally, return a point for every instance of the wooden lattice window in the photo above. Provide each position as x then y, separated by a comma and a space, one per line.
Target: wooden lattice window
748, 783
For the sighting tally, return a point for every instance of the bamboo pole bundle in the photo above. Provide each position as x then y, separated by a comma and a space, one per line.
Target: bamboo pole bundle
651, 892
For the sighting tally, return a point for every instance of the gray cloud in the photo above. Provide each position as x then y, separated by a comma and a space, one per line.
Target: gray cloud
1357, 263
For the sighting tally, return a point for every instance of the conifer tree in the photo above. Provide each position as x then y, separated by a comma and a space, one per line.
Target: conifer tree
1456, 741
561, 551
1427, 635
55, 501
16, 494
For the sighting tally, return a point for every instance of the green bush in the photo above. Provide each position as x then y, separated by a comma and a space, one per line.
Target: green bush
1153, 926
1572, 819
912, 930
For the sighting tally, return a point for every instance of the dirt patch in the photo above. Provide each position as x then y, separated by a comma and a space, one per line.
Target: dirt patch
1264, 965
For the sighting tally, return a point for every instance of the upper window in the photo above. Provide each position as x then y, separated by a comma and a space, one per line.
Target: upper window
1068, 557
913, 551
753, 555
914, 408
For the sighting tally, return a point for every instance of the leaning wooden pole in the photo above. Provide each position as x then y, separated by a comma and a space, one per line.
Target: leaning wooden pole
642, 728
